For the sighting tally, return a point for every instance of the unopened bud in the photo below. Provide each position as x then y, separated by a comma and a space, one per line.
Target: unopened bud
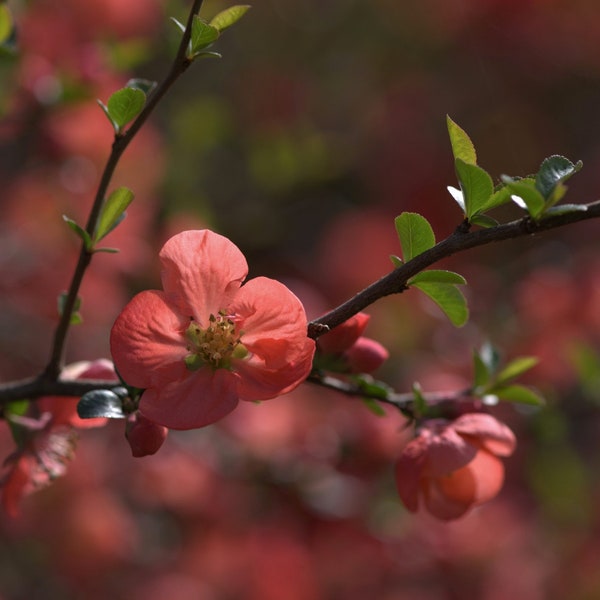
365, 355
144, 436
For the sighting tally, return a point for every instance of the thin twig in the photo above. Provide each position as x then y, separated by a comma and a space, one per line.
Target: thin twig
122, 140
462, 239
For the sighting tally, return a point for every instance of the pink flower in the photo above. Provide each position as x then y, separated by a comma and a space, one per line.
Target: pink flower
207, 341
346, 350
452, 466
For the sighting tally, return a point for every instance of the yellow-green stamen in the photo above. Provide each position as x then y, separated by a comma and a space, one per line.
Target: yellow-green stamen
215, 345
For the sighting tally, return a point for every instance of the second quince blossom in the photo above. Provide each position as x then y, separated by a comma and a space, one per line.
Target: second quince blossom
452, 466
206, 341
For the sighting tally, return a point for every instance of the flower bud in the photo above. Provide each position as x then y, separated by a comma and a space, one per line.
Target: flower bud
144, 436
365, 355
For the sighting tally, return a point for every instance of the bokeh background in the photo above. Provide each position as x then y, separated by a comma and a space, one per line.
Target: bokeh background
322, 122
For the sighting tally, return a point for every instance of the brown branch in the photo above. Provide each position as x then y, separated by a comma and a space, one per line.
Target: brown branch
36, 387
122, 140
462, 239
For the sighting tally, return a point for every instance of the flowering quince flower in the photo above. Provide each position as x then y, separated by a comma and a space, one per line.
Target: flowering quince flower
206, 341
47, 443
350, 350
452, 466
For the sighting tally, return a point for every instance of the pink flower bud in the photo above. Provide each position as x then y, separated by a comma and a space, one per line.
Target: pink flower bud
343, 336
144, 436
365, 355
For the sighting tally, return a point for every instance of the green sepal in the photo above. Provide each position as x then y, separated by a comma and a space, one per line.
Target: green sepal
203, 35
229, 16
76, 318
113, 211
476, 185
462, 146
81, 233
438, 276
449, 298
415, 234
100, 404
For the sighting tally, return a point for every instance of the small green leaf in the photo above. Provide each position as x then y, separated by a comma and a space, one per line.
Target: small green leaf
203, 35
420, 404
462, 146
396, 260
125, 105
563, 209
520, 394
553, 171
499, 197
415, 234
449, 298
490, 357
482, 372
229, 16
476, 185
144, 85
76, 318
107, 250
371, 387
526, 190
100, 403
113, 211
81, 233
6, 23
178, 24
515, 367
374, 407
483, 221
438, 276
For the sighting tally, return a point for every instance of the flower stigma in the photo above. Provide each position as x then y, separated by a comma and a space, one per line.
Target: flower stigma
214, 346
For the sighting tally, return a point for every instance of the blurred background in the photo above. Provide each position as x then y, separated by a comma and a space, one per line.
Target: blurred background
321, 123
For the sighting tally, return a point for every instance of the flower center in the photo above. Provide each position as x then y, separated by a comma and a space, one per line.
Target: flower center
214, 346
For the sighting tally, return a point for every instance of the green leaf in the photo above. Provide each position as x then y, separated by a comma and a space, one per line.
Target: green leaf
563, 209
515, 367
229, 16
520, 394
81, 233
396, 260
499, 197
483, 221
554, 171
415, 234
6, 23
462, 146
449, 298
125, 105
107, 250
100, 403
144, 85
374, 406
372, 387
527, 191
476, 185
178, 24
113, 211
438, 276
76, 318
482, 372
203, 35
